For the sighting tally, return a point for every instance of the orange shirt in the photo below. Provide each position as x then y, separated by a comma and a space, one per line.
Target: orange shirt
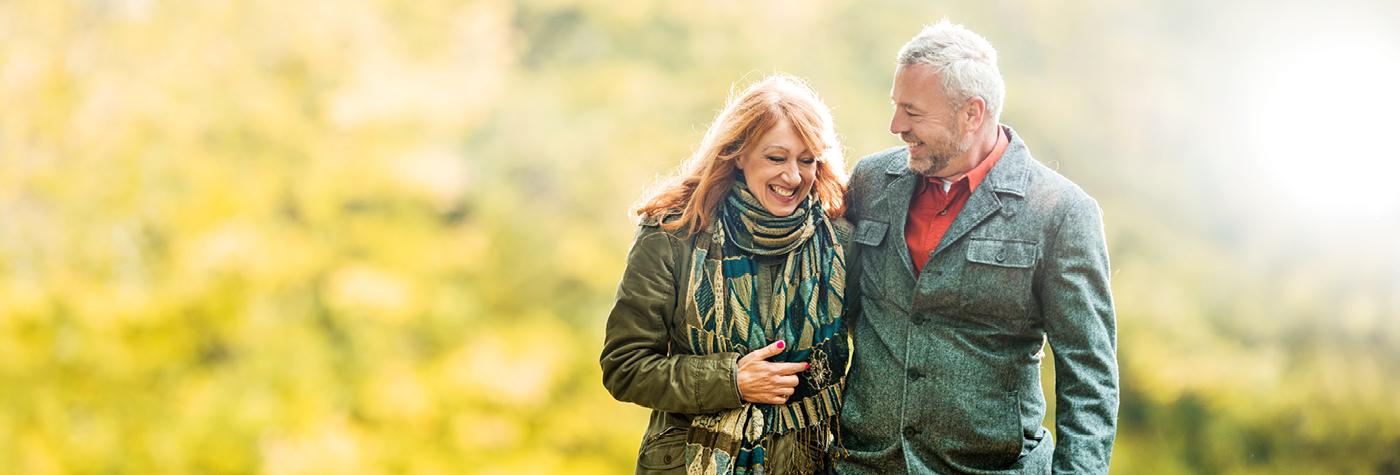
933, 209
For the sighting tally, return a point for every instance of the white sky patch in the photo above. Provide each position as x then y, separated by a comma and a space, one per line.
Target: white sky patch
1322, 118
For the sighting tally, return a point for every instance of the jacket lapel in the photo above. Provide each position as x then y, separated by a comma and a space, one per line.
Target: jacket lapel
1009, 176
894, 204
980, 205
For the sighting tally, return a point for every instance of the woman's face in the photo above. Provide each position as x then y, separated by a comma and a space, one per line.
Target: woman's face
779, 169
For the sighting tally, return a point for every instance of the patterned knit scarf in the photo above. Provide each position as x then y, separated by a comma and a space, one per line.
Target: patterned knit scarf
804, 310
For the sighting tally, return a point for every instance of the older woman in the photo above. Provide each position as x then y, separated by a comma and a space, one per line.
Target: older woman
728, 318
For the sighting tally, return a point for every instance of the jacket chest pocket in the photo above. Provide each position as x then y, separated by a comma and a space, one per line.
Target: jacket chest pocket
870, 233
997, 277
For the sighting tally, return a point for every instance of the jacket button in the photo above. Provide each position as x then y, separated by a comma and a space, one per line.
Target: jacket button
666, 459
1001, 255
911, 432
914, 375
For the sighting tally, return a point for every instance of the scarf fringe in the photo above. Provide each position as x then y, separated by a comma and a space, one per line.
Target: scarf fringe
811, 450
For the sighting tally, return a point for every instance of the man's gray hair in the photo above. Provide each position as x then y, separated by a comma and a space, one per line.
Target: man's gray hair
965, 61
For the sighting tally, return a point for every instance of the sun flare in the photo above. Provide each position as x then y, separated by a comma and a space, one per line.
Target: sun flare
1321, 122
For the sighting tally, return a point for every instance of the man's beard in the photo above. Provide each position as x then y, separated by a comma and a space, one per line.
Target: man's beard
937, 154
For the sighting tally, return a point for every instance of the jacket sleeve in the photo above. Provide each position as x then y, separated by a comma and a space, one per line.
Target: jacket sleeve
854, 214
638, 363
1080, 326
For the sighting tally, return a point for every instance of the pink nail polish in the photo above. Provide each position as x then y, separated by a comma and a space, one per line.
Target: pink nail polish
809, 366
780, 344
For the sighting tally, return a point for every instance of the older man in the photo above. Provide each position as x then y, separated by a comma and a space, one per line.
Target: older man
971, 255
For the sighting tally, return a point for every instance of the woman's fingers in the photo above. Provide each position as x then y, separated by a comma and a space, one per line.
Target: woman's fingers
778, 397
789, 368
764, 353
777, 389
766, 382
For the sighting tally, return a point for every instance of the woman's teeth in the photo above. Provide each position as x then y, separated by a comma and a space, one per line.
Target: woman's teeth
783, 192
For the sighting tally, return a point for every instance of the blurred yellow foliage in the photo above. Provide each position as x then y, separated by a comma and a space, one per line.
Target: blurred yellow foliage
382, 237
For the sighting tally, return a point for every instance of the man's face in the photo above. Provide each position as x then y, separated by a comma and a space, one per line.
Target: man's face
924, 119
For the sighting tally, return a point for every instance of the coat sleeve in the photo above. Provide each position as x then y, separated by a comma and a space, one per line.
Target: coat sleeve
638, 363
1080, 326
855, 196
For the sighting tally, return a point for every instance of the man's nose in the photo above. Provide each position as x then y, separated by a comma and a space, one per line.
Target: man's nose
898, 124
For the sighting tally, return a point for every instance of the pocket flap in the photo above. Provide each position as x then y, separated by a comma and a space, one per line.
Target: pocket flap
871, 233
1002, 253
666, 451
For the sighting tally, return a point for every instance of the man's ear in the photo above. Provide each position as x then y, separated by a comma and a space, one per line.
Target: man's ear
974, 113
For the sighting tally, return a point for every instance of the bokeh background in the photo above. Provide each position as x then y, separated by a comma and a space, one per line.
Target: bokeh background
382, 236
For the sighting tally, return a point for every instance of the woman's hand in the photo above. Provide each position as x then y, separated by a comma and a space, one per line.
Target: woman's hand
765, 382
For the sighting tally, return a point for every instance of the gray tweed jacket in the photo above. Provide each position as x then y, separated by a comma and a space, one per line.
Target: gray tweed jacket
946, 372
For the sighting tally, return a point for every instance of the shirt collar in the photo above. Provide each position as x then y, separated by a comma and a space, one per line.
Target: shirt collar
978, 173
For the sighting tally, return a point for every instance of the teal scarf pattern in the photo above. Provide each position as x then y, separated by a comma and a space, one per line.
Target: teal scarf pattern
804, 310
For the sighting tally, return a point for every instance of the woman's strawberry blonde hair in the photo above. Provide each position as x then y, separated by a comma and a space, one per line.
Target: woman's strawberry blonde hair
709, 173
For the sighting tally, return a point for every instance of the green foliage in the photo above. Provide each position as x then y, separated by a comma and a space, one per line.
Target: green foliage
382, 237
